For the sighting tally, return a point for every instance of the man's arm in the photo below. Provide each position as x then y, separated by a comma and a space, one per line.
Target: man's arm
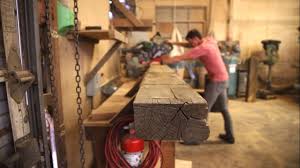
166, 59
182, 44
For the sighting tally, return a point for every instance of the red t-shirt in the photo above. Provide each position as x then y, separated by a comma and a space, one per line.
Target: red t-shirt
209, 54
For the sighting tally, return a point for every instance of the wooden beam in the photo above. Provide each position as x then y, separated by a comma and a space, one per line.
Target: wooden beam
166, 108
129, 15
20, 128
126, 25
252, 80
168, 152
103, 35
101, 62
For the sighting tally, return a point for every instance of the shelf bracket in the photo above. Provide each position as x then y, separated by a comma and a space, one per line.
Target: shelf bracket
102, 61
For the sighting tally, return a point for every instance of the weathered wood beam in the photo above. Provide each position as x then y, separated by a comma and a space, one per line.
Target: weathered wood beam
101, 62
129, 15
166, 108
11, 46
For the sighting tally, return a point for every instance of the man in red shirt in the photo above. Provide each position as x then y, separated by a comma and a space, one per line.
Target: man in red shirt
207, 51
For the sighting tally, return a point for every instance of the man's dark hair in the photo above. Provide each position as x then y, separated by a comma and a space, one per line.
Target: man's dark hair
193, 33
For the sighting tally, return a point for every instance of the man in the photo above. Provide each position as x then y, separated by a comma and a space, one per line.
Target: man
207, 51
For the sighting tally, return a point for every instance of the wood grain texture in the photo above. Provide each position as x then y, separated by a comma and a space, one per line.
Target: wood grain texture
125, 25
20, 128
167, 108
128, 14
168, 151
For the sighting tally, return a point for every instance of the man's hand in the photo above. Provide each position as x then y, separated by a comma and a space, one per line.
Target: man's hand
166, 59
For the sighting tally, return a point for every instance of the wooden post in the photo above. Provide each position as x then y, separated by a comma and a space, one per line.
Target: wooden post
168, 151
252, 80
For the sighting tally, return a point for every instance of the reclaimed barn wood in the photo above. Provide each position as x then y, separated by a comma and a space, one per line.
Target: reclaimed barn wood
167, 108
11, 46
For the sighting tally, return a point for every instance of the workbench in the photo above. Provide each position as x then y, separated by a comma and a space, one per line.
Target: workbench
101, 119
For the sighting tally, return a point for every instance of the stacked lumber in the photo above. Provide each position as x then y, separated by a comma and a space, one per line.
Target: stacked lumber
166, 108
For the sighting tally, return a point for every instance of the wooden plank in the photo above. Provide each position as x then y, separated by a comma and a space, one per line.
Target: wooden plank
10, 35
104, 114
101, 62
168, 152
129, 15
165, 28
167, 108
125, 25
252, 80
103, 35
97, 136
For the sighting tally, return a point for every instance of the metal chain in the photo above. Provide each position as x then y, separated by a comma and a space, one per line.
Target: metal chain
52, 76
78, 87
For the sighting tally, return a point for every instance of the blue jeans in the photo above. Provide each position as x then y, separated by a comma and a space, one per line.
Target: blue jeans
216, 96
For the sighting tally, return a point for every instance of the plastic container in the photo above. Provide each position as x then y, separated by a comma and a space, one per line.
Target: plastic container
65, 18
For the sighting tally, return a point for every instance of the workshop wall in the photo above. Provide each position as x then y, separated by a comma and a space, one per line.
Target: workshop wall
91, 13
253, 21
250, 23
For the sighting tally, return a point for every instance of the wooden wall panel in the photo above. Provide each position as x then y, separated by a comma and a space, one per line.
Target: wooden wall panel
6, 140
90, 55
254, 21
197, 14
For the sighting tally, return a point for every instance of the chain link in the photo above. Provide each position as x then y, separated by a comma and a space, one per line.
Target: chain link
78, 87
51, 67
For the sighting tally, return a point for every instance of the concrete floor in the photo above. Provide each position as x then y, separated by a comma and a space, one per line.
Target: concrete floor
267, 135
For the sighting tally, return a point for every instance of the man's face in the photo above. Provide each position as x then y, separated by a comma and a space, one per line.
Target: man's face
194, 41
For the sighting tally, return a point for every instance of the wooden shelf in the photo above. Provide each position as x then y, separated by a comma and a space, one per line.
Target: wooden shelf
103, 35
125, 25
112, 107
